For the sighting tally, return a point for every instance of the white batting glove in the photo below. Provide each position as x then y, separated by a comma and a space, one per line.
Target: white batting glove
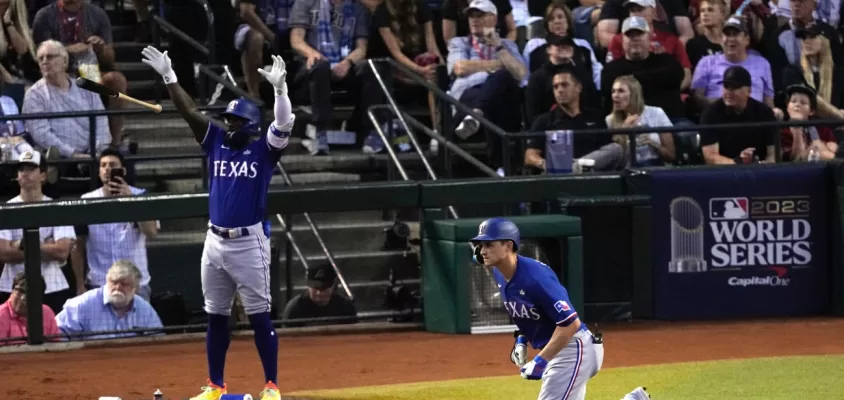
276, 76
519, 353
160, 62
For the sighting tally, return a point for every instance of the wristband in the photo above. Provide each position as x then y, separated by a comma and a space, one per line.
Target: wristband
540, 361
170, 77
521, 340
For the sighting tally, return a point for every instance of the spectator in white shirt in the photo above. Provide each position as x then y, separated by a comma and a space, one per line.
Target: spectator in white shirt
629, 111
56, 241
114, 307
103, 244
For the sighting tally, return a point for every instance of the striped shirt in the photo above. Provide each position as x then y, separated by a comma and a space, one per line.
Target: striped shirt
91, 312
51, 270
69, 135
108, 243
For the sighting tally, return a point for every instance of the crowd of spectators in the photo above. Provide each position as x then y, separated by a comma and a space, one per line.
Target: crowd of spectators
543, 66
629, 63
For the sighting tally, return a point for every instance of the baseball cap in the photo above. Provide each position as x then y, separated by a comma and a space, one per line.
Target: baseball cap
30, 157
643, 3
735, 22
557, 40
321, 276
810, 31
483, 6
799, 88
635, 23
736, 77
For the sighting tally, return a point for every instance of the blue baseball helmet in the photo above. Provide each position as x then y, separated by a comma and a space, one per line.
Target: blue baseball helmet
498, 229
247, 110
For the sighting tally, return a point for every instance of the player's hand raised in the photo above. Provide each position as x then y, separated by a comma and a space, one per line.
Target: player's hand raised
160, 62
276, 76
534, 369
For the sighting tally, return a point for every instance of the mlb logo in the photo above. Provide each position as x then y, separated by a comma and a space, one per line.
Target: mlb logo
561, 306
729, 208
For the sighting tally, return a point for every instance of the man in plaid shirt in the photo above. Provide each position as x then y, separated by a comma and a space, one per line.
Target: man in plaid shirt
103, 244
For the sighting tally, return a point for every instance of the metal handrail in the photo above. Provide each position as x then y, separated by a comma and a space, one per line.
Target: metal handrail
445, 142
443, 95
231, 85
287, 181
407, 130
169, 28
687, 128
318, 236
210, 35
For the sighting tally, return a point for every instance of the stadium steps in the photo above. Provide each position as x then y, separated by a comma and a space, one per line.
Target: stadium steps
356, 239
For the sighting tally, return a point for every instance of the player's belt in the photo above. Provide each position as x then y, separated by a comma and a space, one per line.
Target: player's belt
229, 233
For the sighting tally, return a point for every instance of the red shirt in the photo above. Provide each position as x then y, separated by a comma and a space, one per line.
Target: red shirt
670, 44
825, 134
13, 325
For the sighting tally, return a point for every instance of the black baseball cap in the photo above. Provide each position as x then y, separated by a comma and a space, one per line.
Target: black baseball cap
736, 77
810, 31
321, 276
557, 40
813, 96
735, 22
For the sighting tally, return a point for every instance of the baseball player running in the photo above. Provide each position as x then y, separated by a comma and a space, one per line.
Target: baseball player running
236, 257
569, 355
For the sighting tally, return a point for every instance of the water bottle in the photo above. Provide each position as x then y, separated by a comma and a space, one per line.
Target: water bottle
814, 155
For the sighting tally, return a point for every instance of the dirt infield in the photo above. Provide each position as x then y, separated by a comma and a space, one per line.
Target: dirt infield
327, 362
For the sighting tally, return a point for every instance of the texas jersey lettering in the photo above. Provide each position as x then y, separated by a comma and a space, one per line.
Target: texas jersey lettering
536, 301
240, 178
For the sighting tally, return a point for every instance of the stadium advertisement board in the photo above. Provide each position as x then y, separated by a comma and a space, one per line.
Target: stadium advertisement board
740, 242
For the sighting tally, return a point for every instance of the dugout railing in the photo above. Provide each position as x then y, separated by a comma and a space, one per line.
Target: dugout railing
426, 196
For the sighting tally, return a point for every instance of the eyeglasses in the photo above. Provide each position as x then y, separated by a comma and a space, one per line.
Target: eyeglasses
50, 56
21, 290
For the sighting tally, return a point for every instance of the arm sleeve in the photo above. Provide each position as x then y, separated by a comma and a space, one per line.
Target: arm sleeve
41, 27
103, 24
68, 319
363, 23
553, 299
64, 232
456, 52
278, 134
50, 326
708, 136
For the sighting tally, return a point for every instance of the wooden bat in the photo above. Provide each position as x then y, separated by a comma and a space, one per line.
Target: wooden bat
95, 87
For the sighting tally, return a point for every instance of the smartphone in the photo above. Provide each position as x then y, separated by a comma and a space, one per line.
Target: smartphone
117, 172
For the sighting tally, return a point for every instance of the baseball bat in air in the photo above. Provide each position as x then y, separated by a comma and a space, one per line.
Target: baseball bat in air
100, 89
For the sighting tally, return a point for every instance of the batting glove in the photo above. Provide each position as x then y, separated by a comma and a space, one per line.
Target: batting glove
519, 353
160, 62
534, 369
277, 75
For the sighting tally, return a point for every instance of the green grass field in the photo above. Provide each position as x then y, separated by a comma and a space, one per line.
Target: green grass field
819, 377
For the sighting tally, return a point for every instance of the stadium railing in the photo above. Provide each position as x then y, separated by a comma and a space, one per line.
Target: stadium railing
369, 196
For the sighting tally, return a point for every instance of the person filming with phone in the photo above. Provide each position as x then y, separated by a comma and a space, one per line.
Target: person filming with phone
101, 245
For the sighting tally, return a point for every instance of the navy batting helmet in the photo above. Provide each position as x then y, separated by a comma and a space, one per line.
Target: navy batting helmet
498, 229
247, 110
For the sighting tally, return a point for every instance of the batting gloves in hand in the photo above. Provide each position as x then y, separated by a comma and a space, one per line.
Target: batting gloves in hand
534, 369
519, 353
160, 62
277, 76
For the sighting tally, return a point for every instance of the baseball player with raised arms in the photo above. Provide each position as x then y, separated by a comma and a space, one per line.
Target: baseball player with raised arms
236, 257
569, 355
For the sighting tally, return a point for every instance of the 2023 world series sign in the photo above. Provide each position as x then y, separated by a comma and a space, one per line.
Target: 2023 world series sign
740, 242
